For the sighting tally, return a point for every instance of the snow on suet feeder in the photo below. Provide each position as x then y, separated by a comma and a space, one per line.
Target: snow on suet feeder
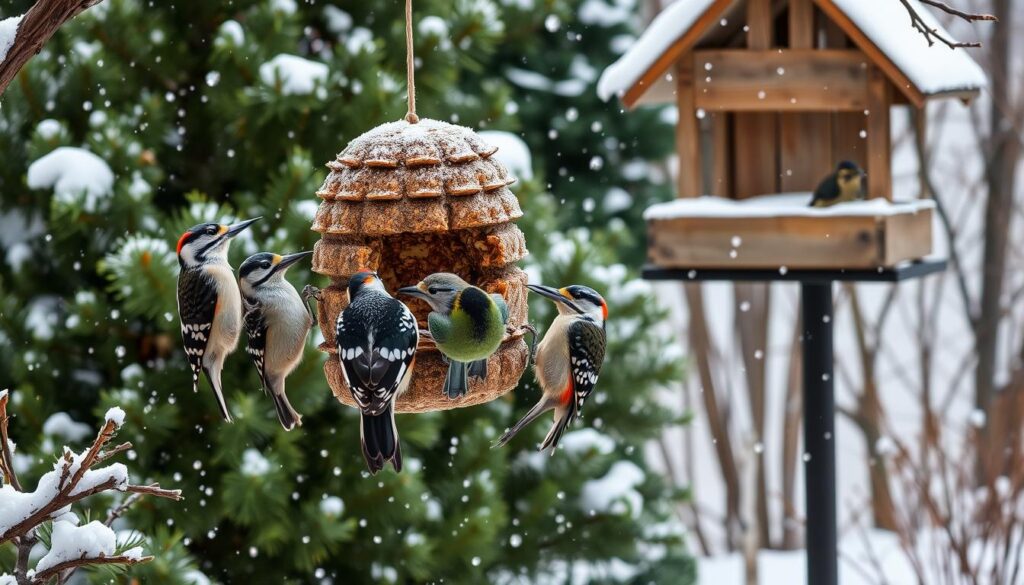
410, 199
771, 95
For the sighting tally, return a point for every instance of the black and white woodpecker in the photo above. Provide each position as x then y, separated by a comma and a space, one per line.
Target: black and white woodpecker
569, 358
277, 322
209, 304
845, 183
376, 336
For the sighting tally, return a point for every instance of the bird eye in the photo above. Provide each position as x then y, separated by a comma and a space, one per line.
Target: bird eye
265, 264
211, 230
432, 290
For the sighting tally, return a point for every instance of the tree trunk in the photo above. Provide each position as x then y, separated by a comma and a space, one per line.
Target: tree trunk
700, 345
791, 534
1000, 175
752, 308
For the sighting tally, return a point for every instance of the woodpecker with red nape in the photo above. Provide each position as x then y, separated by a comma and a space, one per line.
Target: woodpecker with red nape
377, 337
277, 321
209, 303
568, 359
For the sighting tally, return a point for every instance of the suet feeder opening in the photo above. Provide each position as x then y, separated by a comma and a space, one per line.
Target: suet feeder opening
410, 199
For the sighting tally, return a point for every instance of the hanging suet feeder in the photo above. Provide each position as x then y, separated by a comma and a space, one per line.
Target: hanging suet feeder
408, 199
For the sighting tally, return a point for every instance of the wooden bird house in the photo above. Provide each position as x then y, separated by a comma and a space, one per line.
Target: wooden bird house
771, 94
410, 199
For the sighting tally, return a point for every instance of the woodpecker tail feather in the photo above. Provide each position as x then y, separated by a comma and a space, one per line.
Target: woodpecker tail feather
285, 413
478, 369
213, 375
538, 409
568, 414
456, 383
379, 438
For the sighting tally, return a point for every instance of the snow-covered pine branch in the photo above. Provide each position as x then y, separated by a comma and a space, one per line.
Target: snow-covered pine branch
74, 477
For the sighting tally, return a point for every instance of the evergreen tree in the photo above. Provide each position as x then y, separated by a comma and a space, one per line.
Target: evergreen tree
138, 120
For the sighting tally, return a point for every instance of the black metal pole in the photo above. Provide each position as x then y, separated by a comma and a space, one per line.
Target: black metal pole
819, 435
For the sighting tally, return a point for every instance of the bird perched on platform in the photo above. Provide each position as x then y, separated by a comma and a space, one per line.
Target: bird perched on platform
844, 184
466, 323
209, 304
277, 321
376, 336
569, 359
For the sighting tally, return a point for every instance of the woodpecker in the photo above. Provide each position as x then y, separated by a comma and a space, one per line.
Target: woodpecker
376, 336
277, 321
209, 303
466, 323
846, 183
569, 359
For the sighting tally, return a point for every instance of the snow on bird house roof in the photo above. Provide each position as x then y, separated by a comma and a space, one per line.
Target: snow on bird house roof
880, 28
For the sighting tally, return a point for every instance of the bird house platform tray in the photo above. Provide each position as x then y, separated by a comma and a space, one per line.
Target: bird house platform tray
776, 231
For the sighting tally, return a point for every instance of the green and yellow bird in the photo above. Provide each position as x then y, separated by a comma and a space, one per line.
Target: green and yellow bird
466, 323
844, 184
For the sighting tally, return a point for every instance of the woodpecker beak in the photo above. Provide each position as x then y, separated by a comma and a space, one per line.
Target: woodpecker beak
414, 291
281, 263
555, 295
233, 230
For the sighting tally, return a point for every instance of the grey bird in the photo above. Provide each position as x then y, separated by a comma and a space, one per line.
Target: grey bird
844, 184
209, 304
277, 322
376, 336
569, 359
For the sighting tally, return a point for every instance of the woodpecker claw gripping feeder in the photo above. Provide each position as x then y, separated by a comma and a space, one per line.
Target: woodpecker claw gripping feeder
411, 198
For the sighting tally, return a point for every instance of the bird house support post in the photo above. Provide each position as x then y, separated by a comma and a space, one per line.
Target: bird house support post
819, 434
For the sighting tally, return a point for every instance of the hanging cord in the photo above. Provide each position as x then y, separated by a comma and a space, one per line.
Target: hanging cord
410, 65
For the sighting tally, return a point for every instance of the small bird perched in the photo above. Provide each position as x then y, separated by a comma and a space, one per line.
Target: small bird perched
466, 323
209, 303
569, 359
277, 321
377, 337
844, 184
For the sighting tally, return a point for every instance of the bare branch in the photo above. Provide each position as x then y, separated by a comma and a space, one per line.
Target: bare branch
932, 34
35, 29
6, 458
970, 17
55, 570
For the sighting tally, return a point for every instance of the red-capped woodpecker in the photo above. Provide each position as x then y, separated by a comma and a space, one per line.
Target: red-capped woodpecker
568, 359
376, 336
209, 304
277, 322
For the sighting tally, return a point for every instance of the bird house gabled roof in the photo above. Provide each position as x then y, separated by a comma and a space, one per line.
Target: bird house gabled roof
881, 29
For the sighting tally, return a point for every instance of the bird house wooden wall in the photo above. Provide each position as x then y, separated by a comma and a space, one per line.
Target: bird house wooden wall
772, 107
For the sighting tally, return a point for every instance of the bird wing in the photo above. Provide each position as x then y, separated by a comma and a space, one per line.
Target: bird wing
586, 354
502, 306
440, 327
828, 189
376, 352
256, 328
197, 306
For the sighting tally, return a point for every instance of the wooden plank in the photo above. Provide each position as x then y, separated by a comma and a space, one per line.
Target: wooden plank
801, 24
760, 29
674, 52
875, 54
755, 168
688, 180
849, 138
907, 236
805, 140
879, 143
721, 178
765, 242
781, 80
